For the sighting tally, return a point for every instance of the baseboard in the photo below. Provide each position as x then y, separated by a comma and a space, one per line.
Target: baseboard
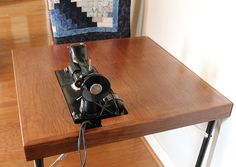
159, 151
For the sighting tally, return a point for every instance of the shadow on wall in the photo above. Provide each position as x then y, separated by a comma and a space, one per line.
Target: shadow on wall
137, 15
200, 58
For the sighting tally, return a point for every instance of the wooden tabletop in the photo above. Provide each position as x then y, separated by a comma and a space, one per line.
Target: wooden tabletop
159, 92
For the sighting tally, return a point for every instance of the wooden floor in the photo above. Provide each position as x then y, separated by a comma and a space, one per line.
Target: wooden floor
24, 23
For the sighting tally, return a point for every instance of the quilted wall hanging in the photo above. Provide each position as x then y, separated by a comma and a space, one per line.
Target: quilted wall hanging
85, 20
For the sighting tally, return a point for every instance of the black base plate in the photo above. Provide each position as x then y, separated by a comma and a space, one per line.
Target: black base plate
73, 99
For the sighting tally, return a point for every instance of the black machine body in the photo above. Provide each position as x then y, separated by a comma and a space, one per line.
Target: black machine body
88, 93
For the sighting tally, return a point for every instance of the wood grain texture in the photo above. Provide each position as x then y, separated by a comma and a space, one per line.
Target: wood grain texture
24, 23
159, 92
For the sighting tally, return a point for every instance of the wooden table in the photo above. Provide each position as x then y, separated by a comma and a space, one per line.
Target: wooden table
159, 92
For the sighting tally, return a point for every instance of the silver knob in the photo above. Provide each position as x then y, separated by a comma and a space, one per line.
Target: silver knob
95, 89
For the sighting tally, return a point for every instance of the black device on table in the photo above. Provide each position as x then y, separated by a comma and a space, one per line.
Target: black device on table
88, 93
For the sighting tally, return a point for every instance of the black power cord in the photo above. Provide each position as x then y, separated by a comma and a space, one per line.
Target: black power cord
81, 140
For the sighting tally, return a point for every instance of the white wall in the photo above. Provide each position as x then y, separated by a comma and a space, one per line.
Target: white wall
201, 34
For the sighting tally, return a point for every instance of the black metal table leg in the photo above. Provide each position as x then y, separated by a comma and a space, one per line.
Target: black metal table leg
205, 142
38, 163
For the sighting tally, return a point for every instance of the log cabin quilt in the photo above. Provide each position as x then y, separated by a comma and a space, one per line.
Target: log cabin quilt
85, 20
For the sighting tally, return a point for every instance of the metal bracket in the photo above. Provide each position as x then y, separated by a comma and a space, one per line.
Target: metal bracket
205, 143
60, 158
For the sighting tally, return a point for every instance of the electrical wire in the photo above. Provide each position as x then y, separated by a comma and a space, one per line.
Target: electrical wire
106, 106
81, 139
